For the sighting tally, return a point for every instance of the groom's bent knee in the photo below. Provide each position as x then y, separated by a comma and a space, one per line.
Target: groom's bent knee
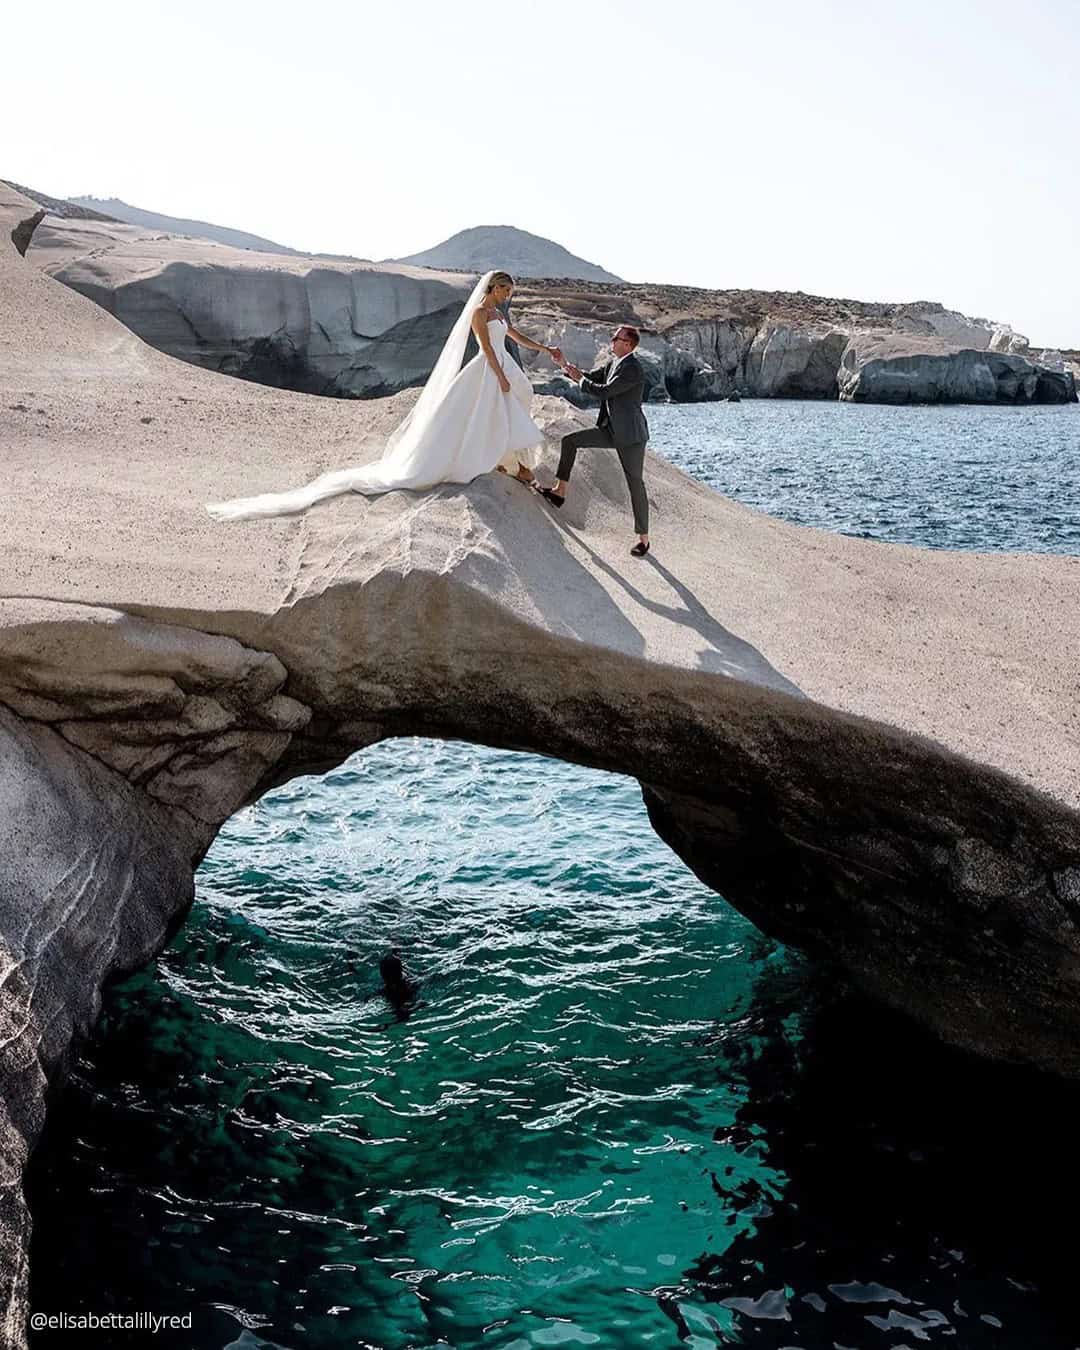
572, 440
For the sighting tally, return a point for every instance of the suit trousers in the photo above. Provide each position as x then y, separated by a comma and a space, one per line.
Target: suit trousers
631, 457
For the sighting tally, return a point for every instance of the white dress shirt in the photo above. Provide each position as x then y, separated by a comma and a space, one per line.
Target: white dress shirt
611, 370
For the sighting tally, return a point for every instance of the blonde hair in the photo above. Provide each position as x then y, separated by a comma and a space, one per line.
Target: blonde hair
500, 279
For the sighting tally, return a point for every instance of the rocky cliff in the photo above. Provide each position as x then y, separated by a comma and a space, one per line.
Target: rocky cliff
351, 329
360, 329
701, 345
873, 751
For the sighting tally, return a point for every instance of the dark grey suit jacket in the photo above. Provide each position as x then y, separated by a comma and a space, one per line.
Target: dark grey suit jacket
620, 400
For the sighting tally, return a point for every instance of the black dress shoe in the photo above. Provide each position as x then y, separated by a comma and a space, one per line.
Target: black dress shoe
552, 496
639, 550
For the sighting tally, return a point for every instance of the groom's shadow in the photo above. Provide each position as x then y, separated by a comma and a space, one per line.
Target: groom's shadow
567, 594
574, 601
724, 653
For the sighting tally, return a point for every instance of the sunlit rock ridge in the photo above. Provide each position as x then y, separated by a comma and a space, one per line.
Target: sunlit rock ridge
239, 305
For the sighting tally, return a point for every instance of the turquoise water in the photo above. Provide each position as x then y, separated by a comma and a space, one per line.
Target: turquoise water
610, 1113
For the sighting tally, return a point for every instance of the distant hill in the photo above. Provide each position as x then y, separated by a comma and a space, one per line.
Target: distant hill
521, 254
114, 208
58, 206
475, 250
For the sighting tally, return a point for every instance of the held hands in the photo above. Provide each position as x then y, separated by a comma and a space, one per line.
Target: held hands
565, 366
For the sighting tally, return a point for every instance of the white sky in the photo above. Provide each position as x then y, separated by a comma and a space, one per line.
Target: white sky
884, 151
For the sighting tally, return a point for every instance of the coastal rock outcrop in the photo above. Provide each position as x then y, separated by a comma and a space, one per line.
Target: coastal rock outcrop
702, 345
871, 750
364, 329
351, 329
878, 368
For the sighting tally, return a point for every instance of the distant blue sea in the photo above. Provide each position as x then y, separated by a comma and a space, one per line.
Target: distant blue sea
611, 1113
947, 477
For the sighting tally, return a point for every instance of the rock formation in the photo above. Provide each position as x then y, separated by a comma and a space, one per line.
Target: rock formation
701, 345
354, 329
1068, 359
364, 329
902, 369
871, 750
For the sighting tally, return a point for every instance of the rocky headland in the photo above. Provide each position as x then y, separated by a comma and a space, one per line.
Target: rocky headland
700, 344
871, 750
361, 329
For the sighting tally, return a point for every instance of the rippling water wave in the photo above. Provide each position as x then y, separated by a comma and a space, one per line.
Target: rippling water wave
609, 1112
949, 477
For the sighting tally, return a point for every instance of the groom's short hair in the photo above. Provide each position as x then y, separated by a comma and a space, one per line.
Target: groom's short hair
631, 332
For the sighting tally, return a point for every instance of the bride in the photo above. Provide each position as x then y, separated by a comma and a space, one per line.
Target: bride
468, 419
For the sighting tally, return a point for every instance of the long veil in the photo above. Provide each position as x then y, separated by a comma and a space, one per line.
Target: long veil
398, 466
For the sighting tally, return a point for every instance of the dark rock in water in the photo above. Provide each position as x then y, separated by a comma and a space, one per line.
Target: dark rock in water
391, 969
398, 988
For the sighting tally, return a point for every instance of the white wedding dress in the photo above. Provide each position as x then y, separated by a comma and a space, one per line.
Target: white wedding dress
462, 425
478, 427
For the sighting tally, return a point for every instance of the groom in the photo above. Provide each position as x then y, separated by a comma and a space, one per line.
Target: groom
621, 426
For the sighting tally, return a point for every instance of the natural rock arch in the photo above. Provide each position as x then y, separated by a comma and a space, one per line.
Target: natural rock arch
869, 749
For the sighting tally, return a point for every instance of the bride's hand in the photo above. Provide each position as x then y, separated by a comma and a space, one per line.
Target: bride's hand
555, 353
504, 384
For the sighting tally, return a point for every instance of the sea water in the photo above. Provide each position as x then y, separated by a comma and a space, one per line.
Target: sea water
609, 1112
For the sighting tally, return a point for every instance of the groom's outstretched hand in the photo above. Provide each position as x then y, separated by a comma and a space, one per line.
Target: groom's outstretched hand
572, 371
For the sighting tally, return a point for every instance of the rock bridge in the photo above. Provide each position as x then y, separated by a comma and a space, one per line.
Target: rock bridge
870, 750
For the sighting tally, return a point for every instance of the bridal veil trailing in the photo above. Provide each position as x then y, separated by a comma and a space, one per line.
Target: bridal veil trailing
461, 425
